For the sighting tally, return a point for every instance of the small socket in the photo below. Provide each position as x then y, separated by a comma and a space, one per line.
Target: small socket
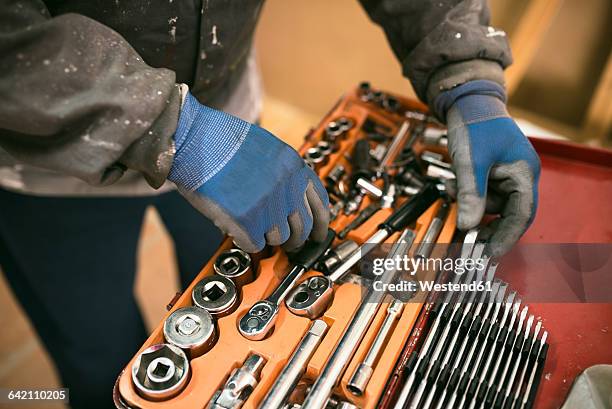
216, 294
325, 148
235, 264
315, 158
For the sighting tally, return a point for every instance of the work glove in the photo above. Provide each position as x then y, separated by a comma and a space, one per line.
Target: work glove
496, 167
252, 185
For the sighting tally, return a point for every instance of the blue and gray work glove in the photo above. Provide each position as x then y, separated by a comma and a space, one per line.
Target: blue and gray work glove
252, 185
497, 169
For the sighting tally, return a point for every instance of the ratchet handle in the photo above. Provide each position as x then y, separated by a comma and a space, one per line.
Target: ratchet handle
310, 253
410, 211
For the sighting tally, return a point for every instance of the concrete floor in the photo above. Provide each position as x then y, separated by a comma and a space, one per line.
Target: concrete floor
23, 361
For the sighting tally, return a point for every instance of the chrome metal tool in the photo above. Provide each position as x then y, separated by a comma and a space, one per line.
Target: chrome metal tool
191, 329
259, 320
240, 384
295, 367
361, 377
160, 372
313, 297
336, 364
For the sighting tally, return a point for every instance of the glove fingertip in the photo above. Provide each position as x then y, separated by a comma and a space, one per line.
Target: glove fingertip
319, 233
293, 245
249, 247
320, 213
467, 219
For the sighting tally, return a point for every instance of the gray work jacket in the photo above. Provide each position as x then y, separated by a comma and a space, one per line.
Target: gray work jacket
88, 89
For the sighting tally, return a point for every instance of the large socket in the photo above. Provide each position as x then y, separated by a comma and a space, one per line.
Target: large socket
191, 329
160, 372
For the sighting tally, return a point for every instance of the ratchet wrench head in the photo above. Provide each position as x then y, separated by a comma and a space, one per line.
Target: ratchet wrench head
311, 298
257, 323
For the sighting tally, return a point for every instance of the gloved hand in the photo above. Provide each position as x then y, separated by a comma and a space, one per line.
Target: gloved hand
497, 169
252, 185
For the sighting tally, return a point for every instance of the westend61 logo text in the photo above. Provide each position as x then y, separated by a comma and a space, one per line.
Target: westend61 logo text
412, 265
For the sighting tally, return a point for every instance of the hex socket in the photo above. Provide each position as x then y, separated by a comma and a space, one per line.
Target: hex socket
216, 294
160, 372
235, 264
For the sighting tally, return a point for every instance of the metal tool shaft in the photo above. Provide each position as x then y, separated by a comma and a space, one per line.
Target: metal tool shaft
534, 371
456, 312
466, 364
295, 367
517, 363
361, 377
487, 363
399, 219
459, 358
521, 378
354, 258
399, 140
509, 359
451, 346
433, 231
500, 355
356, 329
500, 296
466, 251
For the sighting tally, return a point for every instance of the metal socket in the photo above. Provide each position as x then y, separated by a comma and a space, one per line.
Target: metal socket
334, 132
390, 103
325, 148
191, 329
346, 124
335, 175
235, 264
216, 294
435, 136
315, 158
337, 255
160, 372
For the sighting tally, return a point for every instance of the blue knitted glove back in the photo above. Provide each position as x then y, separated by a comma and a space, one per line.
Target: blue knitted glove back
249, 183
496, 166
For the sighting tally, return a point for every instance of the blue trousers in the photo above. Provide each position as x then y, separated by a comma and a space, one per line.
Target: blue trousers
71, 263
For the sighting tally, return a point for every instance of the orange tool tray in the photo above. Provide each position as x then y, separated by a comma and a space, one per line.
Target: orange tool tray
210, 371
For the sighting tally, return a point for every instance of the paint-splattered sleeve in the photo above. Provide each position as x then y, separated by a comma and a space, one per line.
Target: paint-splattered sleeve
443, 43
76, 98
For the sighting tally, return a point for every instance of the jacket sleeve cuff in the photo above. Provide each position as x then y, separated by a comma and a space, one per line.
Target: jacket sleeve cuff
453, 75
153, 153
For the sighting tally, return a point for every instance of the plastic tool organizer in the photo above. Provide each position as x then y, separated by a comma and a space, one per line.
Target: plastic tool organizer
210, 371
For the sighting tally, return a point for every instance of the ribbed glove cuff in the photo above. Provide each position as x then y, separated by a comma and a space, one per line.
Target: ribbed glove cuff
205, 141
476, 100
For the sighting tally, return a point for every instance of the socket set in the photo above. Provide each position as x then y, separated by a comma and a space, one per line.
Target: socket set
304, 330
